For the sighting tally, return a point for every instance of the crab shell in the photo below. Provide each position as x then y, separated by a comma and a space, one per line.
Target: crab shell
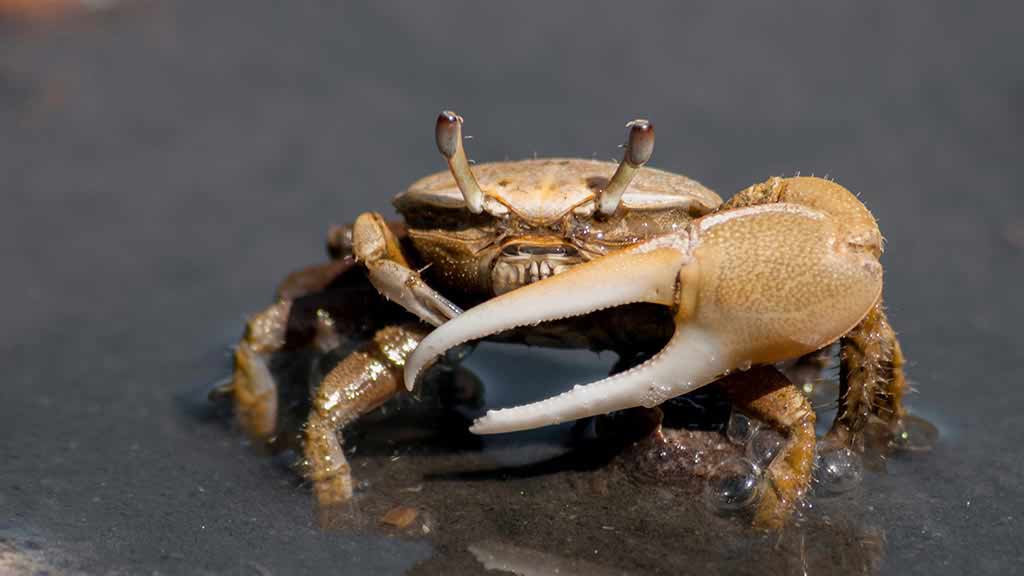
543, 191
538, 220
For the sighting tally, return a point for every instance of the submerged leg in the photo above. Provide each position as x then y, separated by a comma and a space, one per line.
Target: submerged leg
292, 321
364, 380
766, 394
870, 378
253, 386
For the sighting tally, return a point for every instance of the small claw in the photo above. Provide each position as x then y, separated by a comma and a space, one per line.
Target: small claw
377, 247
404, 286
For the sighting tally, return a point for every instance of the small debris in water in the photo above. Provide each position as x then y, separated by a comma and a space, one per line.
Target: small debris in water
400, 517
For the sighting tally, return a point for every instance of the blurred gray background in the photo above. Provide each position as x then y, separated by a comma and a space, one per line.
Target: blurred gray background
164, 163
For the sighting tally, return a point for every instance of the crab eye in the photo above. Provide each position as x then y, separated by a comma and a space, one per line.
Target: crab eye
639, 147
641, 142
448, 134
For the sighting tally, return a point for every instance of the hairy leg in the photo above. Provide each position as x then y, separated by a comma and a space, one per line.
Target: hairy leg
870, 377
766, 394
364, 380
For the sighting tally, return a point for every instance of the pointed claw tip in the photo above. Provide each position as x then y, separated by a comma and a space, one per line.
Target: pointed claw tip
410, 380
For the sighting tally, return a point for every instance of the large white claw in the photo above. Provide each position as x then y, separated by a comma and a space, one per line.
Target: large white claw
645, 274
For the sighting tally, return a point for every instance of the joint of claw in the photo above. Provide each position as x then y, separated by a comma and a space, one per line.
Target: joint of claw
448, 134
639, 147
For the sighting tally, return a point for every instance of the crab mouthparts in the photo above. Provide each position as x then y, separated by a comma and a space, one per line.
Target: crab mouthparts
522, 263
691, 359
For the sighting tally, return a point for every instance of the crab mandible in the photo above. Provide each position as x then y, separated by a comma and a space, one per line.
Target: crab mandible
584, 253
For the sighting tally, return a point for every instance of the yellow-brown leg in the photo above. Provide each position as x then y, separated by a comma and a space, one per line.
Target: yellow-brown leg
364, 380
252, 385
766, 394
871, 379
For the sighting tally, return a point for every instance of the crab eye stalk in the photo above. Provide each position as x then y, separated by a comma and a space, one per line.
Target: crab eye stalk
639, 148
449, 141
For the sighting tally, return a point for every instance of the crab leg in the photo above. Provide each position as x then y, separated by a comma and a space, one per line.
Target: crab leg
871, 379
361, 382
753, 285
768, 395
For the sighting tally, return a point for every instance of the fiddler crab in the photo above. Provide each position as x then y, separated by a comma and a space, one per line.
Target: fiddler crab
687, 289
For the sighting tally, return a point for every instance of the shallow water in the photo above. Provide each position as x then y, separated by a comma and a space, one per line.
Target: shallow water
165, 163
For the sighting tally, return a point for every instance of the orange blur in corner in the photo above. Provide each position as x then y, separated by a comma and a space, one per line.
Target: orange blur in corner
38, 8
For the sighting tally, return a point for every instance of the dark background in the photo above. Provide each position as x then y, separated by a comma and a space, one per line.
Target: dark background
165, 163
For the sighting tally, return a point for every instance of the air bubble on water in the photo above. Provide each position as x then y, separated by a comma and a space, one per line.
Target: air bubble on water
914, 434
764, 445
733, 485
838, 469
740, 428
745, 365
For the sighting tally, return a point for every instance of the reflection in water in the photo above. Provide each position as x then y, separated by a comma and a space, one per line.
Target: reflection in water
915, 434
525, 562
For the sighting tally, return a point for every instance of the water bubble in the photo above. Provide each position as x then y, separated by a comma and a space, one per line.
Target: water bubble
914, 434
764, 445
733, 485
838, 469
740, 428
745, 365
